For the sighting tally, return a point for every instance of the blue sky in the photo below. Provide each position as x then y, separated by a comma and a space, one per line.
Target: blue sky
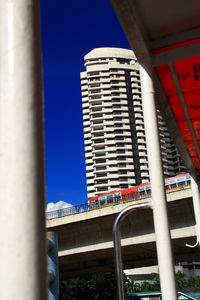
70, 29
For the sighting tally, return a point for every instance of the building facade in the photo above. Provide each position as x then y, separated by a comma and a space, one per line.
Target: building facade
114, 135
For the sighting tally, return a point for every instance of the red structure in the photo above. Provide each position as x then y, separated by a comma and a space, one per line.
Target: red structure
182, 89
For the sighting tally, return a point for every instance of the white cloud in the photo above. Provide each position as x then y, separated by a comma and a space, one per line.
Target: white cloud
58, 205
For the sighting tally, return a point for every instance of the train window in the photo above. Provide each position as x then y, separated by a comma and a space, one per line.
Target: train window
188, 179
141, 188
132, 195
124, 197
136, 194
92, 205
102, 200
148, 188
142, 193
127, 197
180, 179
173, 185
109, 198
181, 183
172, 181
166, 186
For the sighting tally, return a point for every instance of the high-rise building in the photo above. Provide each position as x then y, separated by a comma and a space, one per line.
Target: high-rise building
115, 145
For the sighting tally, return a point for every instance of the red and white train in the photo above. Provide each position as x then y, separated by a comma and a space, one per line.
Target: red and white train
138, 192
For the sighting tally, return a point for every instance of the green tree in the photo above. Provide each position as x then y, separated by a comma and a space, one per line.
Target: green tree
156, 282
194, 281
99, 286
103, 286
181, 282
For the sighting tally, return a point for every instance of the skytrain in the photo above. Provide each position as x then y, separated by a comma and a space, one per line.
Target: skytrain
139, 192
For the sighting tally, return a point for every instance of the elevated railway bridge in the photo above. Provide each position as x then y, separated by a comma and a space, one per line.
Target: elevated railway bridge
85, 238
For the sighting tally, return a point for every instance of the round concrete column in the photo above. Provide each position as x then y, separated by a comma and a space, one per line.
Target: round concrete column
22, 218
161, 224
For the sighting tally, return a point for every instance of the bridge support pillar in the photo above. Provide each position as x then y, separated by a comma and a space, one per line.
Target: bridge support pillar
22, 217
163, 240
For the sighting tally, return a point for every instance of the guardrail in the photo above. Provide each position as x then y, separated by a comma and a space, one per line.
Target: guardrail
72, 210
156, 296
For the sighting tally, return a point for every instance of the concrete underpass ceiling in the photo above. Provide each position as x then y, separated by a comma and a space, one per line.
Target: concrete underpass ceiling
133, 257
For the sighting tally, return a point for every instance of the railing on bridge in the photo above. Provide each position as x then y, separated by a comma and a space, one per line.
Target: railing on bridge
72, 210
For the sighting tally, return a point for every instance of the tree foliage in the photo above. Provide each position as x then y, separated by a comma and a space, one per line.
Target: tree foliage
181, 282
143, 286
103, 286
194, 281
99, 286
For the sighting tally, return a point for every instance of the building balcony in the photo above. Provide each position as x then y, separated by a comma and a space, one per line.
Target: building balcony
139, 121
89, 168
87, 143
135, 84
143, 160
86, 118
84, 93
144, 168
90, 181
89, 161
140, 134
138, 109
142, 147
145, 174
91, 190
88, 155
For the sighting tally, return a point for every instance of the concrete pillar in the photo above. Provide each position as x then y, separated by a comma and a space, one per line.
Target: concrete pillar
163, 240
196, 205
22, 218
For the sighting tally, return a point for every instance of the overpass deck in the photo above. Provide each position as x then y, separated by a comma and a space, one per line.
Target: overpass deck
85, 240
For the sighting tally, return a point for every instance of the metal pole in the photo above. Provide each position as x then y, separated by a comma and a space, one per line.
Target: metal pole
117, 246
163, 241
196, 205
22, 217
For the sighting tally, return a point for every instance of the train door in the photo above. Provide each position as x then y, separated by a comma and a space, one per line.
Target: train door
110, 198
188, 180
141, 190
117, 197
181, 182
136, 195
102, 200
148, 189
